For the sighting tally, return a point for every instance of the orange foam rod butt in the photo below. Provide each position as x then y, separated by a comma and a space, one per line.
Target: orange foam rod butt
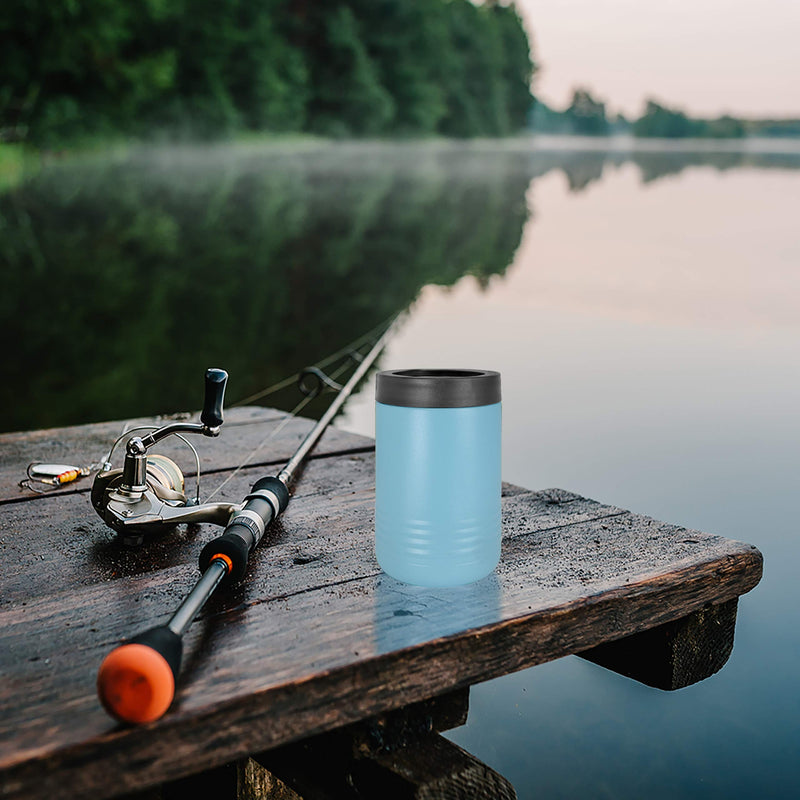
136, 681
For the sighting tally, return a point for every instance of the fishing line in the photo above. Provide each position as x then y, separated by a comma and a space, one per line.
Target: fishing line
351, 351
283, 423
332, 358
273, 433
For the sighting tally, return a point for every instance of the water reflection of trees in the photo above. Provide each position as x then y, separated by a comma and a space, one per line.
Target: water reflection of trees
124, 280
583, 168
128, 279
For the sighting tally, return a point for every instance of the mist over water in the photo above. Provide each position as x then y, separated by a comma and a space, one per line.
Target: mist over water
643, 307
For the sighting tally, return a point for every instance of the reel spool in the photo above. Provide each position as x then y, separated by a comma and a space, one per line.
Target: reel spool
165, 478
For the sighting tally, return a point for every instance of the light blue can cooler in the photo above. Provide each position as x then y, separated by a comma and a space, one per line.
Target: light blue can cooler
437, 483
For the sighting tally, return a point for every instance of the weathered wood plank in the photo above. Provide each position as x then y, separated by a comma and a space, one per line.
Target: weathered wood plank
427, 768
348, 760
676, 654
390, 731
398, 728
315, 637
244, 428
285, 657
244, 779
257, 783
317, 545
65, 544
431, 768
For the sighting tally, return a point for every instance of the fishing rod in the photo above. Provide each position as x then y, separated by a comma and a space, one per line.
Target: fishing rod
136, 681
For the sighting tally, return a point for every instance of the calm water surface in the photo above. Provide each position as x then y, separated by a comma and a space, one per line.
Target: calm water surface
649, 341
644, 310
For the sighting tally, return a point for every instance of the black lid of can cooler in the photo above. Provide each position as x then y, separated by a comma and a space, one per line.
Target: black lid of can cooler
438, 388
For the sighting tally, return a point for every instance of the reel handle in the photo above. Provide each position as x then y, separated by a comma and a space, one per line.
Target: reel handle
216, 380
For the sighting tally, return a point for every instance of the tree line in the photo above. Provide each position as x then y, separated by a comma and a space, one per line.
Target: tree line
204, 68
586, 115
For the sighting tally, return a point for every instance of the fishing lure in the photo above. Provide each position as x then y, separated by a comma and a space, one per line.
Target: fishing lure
53, 475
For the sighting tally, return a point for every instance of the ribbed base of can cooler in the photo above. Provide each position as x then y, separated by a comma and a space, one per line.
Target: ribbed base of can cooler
403, 567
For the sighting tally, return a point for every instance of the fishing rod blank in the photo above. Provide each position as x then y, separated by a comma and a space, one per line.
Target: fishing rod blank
136, 681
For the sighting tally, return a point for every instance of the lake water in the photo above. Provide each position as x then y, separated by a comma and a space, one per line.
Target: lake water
643, 308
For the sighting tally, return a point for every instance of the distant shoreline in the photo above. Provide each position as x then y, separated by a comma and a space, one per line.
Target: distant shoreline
747, 144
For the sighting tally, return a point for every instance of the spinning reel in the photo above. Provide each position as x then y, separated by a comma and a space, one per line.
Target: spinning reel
147, 495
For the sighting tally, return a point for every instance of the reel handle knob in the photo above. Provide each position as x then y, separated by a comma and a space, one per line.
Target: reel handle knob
216, 380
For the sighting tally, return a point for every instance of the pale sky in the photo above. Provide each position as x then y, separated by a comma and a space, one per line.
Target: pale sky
707, 56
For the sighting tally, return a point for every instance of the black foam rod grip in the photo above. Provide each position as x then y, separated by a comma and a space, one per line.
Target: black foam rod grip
216, 380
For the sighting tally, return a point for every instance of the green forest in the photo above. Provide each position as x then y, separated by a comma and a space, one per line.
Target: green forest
85, 71
201, 69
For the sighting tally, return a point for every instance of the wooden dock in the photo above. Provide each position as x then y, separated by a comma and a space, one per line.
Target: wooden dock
318, 658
